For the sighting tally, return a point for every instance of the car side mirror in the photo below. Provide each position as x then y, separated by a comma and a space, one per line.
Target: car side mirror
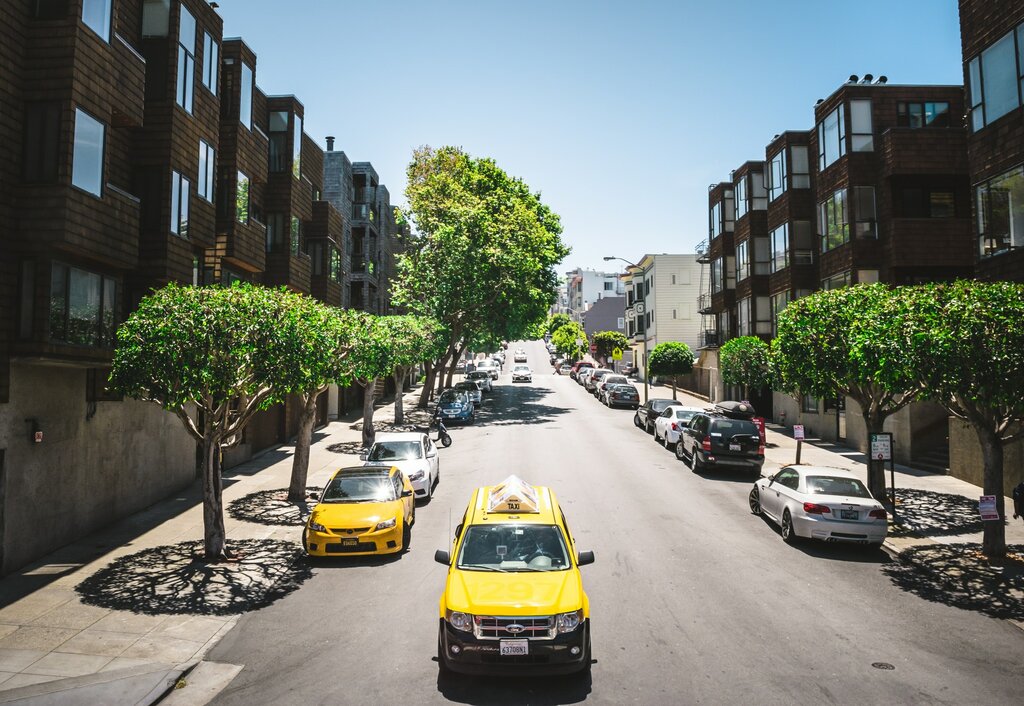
584, 558
432, 453
771, 479
442, 557
313, 496
362, 457
406, 493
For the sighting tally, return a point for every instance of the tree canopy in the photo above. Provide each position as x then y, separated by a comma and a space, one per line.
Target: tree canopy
607, 341
670, 359
745, 361
565, 338
556, 321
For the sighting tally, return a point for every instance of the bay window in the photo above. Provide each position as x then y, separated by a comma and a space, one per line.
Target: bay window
779, 248
865, 225
186, 60
242, 198
211, 62
207, 164
800, 167
181, 191
1000, 212
87, 155
742, 260
82, 306
776, 175
996, 78
862, 138
245, 97
96, 16
832, 137
833, 223
742, 205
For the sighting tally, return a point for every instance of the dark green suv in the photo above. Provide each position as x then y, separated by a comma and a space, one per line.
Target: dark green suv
714, 441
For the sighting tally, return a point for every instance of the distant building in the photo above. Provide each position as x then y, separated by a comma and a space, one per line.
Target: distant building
586, 287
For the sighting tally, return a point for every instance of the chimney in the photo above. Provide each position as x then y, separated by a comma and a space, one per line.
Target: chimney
867, 78
882, 79
330, 143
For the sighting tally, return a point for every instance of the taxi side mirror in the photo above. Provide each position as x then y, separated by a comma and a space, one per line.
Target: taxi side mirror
584, 558
442, 557
406, 493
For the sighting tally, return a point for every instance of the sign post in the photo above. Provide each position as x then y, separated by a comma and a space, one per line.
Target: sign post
987, 508
798, 434
881, 451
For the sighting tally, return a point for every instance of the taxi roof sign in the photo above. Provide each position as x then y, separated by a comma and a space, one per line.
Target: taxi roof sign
513, 495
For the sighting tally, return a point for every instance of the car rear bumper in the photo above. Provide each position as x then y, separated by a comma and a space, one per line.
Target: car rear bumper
718, 460
831, 530
545, 657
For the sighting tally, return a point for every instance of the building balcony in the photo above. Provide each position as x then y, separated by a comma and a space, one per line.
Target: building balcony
904, 150
365, 194
703, 252
711, 339
704, 303
931, 242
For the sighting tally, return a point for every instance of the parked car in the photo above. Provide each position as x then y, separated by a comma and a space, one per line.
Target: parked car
670, 423
565, 369
645, 415
621, 396
712, 440
578, 366
491, 367
413, 453
483, 377
610, 379
595, 377
519, 356
818, 502
471, 387
460, 367
361, 511
522, 372
583, 374
455, 405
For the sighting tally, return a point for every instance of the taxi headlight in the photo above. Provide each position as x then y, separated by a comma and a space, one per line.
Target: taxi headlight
316, 526
567, 622
460, 621
386, 524
417, 475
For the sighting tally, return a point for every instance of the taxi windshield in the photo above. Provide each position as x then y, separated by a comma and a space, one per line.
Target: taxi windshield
359, 488
511, 547
395, 451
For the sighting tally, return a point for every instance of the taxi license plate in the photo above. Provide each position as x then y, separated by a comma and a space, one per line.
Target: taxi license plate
349, 542
514, 648
734, 447
848, 514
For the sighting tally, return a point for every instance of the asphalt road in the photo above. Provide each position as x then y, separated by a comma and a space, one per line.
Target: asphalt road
693, 599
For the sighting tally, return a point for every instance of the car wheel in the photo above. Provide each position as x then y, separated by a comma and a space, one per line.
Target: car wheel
585, 669
696, 465
649, 428
305, 544
680, 454
788, 535
406, 536
755, 501
636, 421
668, 446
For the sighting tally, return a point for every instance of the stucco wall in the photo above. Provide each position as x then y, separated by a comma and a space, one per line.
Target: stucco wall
965, 460
87, 472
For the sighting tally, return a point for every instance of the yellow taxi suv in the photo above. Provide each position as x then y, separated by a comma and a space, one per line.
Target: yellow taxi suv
513, 601
362, 510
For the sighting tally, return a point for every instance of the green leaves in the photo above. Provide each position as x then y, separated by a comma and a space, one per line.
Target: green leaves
608, 341
671, 359
565, 338
745, 361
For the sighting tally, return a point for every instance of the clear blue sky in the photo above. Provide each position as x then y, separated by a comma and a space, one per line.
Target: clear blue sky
620, 113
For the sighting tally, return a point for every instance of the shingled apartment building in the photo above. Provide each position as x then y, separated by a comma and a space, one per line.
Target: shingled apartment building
138, 150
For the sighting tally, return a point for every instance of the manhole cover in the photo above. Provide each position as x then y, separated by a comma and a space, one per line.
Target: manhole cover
882, 665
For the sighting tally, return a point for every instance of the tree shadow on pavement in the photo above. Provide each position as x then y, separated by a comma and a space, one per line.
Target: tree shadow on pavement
510, 404
959, 575
271, 507
538, 691
353, 448
175, 580
930, 514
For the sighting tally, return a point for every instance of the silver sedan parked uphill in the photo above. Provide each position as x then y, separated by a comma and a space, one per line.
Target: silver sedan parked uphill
818, 502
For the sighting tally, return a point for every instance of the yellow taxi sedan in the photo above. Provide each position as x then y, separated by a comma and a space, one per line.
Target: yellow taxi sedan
513, 601
362, 510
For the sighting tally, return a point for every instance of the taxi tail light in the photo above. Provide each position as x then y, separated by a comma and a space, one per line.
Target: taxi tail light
706, 444
879, 514
816, 509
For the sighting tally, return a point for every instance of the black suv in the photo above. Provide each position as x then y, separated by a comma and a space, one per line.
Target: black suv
651, 410
722, 438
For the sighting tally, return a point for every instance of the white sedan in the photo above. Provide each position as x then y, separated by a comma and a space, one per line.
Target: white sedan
522, 372
818, 502
671, 421
415, 455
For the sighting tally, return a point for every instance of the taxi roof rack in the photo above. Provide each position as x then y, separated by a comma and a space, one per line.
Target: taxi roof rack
512, 495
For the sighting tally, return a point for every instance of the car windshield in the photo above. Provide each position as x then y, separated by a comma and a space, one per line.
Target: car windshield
685, 414
450, 396
614, 380
660, 405
465, 386
475, 375
836, 485
359, 488
510, 547
395, 451
732, 427
521, 368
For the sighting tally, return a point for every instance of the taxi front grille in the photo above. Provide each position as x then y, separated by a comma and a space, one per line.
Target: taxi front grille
520, 626
346, 531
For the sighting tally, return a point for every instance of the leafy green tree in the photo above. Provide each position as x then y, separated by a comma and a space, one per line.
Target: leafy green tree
482, 259
565, 338
556, 321
322, 345
214, 357
671, 359
370, 360
606, 342
745, 361
966, 345
414, 340
846, 342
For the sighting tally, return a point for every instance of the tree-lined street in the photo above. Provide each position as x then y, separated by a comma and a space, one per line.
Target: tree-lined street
693, 598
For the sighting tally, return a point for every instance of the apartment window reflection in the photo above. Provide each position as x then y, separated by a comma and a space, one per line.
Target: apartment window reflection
779, 248
833, 223
836, 281
297, 147
832, 137
866, 225
742, 205
777, 175
1000, 212
96, 16
186, 60
995, 78
207, 164
211, 62
87, 156
245, 97
742, 260
181, 191
918, 115
800, 167
277, 232
862, 137
277, 126
82, 306
242, 198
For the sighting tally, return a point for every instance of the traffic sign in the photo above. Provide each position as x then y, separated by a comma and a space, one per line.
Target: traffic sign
881, 447
798, 431
616, 354
593, 348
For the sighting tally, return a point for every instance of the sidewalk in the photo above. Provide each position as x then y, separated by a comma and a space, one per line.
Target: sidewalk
129, 640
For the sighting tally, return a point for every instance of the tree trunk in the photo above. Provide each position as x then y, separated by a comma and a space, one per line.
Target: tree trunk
399, 390
873, 422
368, 433
993, 542
300, 462
451, 369
673, 387
214, 534
428, 387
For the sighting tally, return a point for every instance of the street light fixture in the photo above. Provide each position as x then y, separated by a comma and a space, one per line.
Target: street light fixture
643, 317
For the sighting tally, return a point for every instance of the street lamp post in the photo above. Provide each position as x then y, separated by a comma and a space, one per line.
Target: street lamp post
643, 316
